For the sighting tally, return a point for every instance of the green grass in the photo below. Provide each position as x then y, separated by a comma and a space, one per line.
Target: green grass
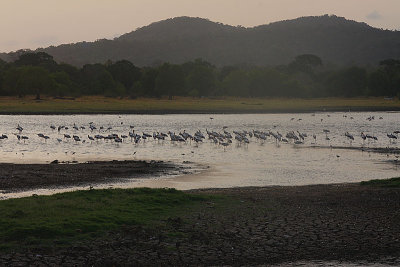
100, 104
60, 219
392, 182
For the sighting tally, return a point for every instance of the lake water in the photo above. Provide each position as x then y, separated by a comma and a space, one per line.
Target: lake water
259, 163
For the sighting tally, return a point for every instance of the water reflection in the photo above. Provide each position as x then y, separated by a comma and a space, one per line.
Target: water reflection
258, 163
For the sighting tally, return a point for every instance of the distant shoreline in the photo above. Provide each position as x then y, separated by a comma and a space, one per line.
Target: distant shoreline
188, 105
194, 112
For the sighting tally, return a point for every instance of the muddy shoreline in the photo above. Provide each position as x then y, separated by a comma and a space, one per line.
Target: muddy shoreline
318, 224
380, 150
289, 225
23, 177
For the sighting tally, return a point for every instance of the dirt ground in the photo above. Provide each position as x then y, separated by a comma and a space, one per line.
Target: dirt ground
17, 177
265, 226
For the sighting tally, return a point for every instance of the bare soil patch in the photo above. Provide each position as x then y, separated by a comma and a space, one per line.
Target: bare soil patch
253, 226
18, 177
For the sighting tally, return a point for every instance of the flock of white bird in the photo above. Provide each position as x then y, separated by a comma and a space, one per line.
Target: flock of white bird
224, 137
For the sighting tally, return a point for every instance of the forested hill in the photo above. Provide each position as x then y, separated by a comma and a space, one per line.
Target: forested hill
333, 39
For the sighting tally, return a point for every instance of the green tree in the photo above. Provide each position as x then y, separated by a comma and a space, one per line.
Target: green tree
201, 78
125, 72
170, 80
348, 82
379, 83
97, 80
391, 67
236, 83
224, 71
40, 59
28, 80
63, 84
73, 72
147, 85
269, 82
305, 63
2, 70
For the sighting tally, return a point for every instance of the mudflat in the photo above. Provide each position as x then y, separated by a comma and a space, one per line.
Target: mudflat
18, 177
252, 226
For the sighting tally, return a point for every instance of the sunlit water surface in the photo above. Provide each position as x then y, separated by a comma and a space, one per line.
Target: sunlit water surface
256, 164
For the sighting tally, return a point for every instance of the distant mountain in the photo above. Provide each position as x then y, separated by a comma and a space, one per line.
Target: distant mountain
334, 39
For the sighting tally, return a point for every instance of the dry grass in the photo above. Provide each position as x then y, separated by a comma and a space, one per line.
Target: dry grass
100, 104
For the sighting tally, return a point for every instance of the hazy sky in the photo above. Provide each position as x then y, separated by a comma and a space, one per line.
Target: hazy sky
40, 23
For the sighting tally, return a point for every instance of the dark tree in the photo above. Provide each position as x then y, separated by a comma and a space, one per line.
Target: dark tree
236, 83
349, 82
391, 67
2, 70
390, 63
63, 84
72, 71
379, 84
40, 59
125, 72
148, 83
28, 80
98, 81
38, 73
267, 82
224, 71
170, 80
305, 63
200, 78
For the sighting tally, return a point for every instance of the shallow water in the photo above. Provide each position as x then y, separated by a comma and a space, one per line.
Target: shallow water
256, 164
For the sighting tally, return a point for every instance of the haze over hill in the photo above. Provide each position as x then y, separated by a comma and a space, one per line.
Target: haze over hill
334, 39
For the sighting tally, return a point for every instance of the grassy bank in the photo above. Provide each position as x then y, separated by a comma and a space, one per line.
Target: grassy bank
99, 104
232, 226
60, 219
392, 182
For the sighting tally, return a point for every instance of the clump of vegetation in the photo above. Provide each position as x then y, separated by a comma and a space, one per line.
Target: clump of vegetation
63, 218
305, 77
392, 182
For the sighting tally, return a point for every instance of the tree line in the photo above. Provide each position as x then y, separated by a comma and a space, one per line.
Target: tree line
306, 76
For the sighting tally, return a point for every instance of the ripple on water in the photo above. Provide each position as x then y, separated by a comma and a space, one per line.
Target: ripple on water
255, 164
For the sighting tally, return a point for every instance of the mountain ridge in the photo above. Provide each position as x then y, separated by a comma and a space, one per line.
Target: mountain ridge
335, 39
